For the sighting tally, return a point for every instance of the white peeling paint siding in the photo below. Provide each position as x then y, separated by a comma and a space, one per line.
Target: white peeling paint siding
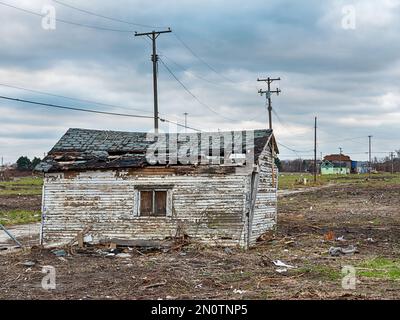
208, 207
264, 216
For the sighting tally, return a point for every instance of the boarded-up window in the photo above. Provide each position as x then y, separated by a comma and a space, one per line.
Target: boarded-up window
146, 203
160, 200
153, 203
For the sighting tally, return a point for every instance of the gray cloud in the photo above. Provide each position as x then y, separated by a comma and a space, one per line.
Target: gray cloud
348, 78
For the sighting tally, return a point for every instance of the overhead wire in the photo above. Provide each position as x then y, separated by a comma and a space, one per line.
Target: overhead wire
66, 21
200, 59
183, 43
89, 101
142, 25
192, 94
103, 16
58, 106
71, 98
74, 108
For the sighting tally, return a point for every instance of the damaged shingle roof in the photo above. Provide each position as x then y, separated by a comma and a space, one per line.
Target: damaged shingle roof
82, 149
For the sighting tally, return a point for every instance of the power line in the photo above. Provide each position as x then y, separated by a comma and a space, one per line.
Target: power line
193, 74
66, 21
93, 111
200, 59
90, 101
103, 16
293, 150
194, 96
70, 98
75, 108
180, 125
145, 26
279, 118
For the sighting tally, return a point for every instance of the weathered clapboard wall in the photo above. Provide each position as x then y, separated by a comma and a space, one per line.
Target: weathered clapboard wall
263, 217
208, 207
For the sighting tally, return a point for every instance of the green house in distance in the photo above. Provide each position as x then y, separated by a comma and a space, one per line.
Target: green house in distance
336, 164
328, 167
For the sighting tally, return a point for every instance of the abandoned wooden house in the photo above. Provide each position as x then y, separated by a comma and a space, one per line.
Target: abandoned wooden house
225, 195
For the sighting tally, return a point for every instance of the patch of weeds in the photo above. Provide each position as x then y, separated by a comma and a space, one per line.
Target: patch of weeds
19, 217
381, 268
23, 186
321, 271
376, 221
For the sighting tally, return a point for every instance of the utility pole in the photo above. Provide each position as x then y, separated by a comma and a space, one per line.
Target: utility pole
185, 114
153, 35
315, 150
369, 158
340, 159
392, 160
268, 95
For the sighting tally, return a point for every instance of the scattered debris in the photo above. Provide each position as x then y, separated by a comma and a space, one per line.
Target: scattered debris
279, 263
59, 253
154, 285
337, 251
239, 291
29, 263
281, 270
123, 255
80, 237
329, 236
267, 237
228, 250
370, 240
88, 238
341, 238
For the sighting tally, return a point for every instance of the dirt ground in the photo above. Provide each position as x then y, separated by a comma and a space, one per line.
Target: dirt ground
20, 202
368, 217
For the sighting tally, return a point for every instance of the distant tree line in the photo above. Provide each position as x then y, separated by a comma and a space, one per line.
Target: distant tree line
26, 164
298, 165
387, 163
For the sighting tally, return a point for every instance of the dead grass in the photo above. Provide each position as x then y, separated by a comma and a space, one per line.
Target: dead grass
296, 180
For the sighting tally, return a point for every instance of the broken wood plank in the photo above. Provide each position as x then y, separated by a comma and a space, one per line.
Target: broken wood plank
154, 285
136, 243
80, 234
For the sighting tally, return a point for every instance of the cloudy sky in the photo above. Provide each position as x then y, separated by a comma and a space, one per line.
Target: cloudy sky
338, 60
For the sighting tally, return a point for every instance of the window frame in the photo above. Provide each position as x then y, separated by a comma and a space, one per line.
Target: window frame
153, 189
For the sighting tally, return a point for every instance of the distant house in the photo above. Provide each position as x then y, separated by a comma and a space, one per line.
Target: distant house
130, 186
360, 166
336, 164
